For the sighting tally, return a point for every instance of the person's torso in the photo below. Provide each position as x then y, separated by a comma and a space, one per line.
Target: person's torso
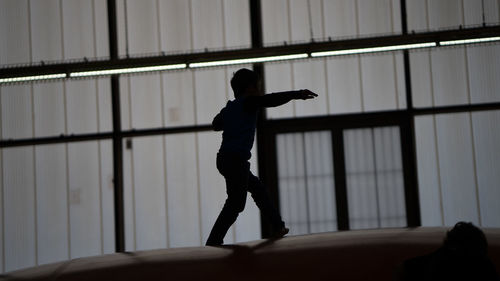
239, 128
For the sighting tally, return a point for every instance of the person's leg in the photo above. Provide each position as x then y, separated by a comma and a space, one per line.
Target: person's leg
263, 201
236, 175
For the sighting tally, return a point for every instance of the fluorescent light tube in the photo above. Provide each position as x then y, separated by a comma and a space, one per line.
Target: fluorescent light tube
128, 70
469, 41
32, 78
373, 50
245, 61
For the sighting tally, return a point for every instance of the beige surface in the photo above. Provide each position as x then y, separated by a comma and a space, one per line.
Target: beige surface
350, 255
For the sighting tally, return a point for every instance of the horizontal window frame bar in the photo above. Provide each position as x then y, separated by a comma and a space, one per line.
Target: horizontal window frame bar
274, 126
103, 136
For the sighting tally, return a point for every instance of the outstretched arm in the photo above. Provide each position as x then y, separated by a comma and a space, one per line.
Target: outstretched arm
277, 99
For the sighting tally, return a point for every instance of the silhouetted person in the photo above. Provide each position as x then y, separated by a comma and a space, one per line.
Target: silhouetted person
463, 256
238, 121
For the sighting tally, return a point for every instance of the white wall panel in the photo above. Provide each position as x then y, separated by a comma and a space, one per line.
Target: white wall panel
49, 109
378, 82
142, 26
279, 78
421, 78
15, 31
390, 182
175, 25
128, 198
145, 98
46, 30
486, 128
182, 186
275, 22
473, 11
376, 17
449, 76
484, 69
340, 18
456, 166
211, 93
149, 193
299, 25
292, 183
125, 104
107, 196
399, 76
416, 12
207, 19
19, 208
78, 29
104, 105
178, 98
84, 199
307, 20
445, 13
52, 203
121, 27
311, 75
361, 179
101, 28
320, 181
212, 184
81, 106
429, 188
16, 111
237, 23
344, 87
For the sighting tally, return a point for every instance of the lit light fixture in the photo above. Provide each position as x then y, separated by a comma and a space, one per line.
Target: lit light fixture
469, 41
373, 49
32, 78
127, 70
245, 61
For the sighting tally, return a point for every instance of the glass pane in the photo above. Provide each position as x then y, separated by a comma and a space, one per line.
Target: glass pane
306, 182
374, 177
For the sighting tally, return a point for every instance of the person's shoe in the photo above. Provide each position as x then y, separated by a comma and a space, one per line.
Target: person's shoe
281, 232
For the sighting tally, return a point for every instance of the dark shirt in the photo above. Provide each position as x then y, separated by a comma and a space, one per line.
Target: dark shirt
240, 121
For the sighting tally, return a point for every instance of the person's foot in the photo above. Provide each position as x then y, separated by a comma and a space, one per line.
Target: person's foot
281, 232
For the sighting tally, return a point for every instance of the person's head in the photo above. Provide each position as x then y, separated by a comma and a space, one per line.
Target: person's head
465, 239
245, 82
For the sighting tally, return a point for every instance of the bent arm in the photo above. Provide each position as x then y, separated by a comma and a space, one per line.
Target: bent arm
218, 122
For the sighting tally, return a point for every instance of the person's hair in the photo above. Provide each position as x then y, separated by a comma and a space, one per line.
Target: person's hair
243, 79
466, 239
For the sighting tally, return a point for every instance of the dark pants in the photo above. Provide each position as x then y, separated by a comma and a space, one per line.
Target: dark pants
239, 180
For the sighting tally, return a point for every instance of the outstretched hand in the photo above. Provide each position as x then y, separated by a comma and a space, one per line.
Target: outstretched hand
305, 94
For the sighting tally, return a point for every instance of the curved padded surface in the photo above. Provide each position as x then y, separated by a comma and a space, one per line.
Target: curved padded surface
349, 255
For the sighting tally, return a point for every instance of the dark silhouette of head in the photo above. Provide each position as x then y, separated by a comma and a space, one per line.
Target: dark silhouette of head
466, 240
244, 80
